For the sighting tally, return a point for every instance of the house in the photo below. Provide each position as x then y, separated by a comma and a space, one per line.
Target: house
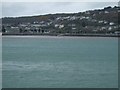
101, 21
61, 26
82, 17
35, 22
94, 20
41, 22
94, 15
117, 32
103, 28
109, 28
105, 22
87, 17
10, 29
87, 12
58, 18
71, 25
72, 18
23, 25
106, 12
38, 25
56, 25
73, 28
111, 23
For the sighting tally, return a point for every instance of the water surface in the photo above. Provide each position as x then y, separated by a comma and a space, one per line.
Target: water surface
68, 62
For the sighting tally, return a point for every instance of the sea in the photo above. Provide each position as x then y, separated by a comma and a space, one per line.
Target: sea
59, 62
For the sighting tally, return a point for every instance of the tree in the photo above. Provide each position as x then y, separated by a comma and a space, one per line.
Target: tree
3, 29
109, 7
21, 30
83, 24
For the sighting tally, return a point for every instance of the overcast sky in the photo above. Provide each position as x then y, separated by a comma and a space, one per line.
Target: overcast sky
15, 9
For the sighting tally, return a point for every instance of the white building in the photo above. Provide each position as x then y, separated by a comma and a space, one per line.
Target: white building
56, 25
101, 21
106, 12
111, 23
61, 26
110, 28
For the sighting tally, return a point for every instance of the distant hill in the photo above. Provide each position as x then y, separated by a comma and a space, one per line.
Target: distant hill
100, 21
100, 14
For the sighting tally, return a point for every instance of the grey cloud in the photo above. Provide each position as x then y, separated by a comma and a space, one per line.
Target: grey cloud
102, 4
12, 9
35, 8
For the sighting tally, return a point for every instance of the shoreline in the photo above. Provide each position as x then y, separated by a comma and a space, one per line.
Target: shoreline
64, 35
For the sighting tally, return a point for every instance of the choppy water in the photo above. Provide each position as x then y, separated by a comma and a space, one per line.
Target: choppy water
68, 62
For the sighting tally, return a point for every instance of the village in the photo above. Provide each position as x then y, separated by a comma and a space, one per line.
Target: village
89, 22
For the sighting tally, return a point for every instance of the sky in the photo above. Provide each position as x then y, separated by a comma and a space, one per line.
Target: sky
16, 9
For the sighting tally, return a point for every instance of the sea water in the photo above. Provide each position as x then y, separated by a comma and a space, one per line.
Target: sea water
59, 62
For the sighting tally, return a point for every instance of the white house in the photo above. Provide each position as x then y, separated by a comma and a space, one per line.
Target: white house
61, 26
111, 23
106, 12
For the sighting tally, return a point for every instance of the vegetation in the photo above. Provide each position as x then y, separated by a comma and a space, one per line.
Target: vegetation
99, 21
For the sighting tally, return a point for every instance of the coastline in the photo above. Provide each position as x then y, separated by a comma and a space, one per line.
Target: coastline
65, 35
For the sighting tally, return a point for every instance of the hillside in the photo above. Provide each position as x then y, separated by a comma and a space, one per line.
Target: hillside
93, 21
